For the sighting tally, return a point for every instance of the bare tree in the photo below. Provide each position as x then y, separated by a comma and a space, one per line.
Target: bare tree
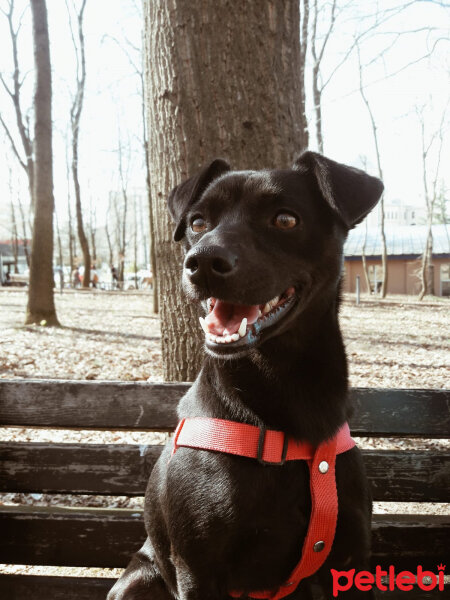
25, 229
384, 263
14, 241
60, 251
317, 53
75, 118
72, 239
93, 230
367, 26
108, 235
14, 237
363, 249
431, 193
23, 127
41, 306
233, 91
121, 208
135, 57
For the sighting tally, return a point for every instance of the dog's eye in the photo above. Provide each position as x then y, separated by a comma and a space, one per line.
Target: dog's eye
285, 221
198, 224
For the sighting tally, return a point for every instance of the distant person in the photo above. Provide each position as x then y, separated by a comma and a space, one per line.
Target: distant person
94, 277
76, 278
114, 276
8, 276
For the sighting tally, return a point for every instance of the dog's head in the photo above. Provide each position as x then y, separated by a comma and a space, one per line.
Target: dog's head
261, 245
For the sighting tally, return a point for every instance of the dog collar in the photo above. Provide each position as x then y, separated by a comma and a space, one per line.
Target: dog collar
274, 448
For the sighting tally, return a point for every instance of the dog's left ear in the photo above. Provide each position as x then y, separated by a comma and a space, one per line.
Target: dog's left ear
183, 196
351, 193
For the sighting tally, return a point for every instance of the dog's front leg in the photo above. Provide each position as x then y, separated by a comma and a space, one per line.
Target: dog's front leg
190, 587
141, 580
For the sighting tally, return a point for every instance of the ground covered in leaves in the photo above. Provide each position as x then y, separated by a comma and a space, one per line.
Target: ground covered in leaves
393, 343
397, 343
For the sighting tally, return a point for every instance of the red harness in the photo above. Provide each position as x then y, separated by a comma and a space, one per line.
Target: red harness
271, 447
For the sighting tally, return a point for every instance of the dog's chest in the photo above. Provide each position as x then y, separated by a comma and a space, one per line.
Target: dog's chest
226, 503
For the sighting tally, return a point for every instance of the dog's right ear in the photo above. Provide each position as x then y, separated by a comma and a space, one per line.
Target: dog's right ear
185, 195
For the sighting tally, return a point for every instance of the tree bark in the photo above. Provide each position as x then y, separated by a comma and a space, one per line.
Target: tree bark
222, 80
41, 305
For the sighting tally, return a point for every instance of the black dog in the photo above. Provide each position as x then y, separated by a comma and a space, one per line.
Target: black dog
264, 254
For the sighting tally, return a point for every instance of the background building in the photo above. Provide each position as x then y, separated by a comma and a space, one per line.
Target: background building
405, 245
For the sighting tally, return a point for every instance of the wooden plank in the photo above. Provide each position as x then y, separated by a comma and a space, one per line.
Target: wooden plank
107, 538
74, 468
69, 537
41, 587
387, 412
152, 406
90, 404
406, 476
114, 469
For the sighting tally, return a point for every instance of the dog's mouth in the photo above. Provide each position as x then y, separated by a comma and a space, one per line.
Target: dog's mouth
239, 324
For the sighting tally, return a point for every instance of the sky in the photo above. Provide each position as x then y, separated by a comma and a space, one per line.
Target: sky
112, 103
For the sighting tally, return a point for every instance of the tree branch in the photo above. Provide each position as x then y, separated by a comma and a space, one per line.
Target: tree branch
16, 152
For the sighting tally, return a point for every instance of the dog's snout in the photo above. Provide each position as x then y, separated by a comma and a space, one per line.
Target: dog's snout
212, 262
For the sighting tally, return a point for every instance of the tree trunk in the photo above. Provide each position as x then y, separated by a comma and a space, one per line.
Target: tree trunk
304, 34
14, 238
317, 98
24, 232
384, 262
75, 116
79, 212
222, 80
41, 305
364, 263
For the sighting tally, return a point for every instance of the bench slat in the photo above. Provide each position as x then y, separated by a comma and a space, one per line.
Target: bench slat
90, 404
42, 587
36, 587
107, 538
152, 406
114, 469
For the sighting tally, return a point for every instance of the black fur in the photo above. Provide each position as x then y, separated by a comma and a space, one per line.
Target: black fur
217, 522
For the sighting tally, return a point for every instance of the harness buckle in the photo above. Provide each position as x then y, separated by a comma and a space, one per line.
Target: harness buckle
259, 456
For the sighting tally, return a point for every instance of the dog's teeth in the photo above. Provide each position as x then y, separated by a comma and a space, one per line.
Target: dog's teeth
266, 308
225, 332
243, 327
235, 337
211, 337
228, 339
204, 324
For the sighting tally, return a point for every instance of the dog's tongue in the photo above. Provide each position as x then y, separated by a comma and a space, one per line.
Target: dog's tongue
225, 315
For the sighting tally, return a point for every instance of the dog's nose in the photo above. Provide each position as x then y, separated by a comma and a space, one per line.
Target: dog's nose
212, 262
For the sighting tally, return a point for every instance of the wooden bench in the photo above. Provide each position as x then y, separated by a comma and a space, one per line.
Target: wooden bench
98, 537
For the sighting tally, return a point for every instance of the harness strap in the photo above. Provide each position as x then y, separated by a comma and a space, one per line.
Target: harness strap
271, 447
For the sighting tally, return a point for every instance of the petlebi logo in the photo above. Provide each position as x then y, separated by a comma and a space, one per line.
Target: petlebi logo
404, 580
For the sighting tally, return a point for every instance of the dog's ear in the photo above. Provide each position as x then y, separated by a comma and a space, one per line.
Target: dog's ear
351, 193
183, 196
